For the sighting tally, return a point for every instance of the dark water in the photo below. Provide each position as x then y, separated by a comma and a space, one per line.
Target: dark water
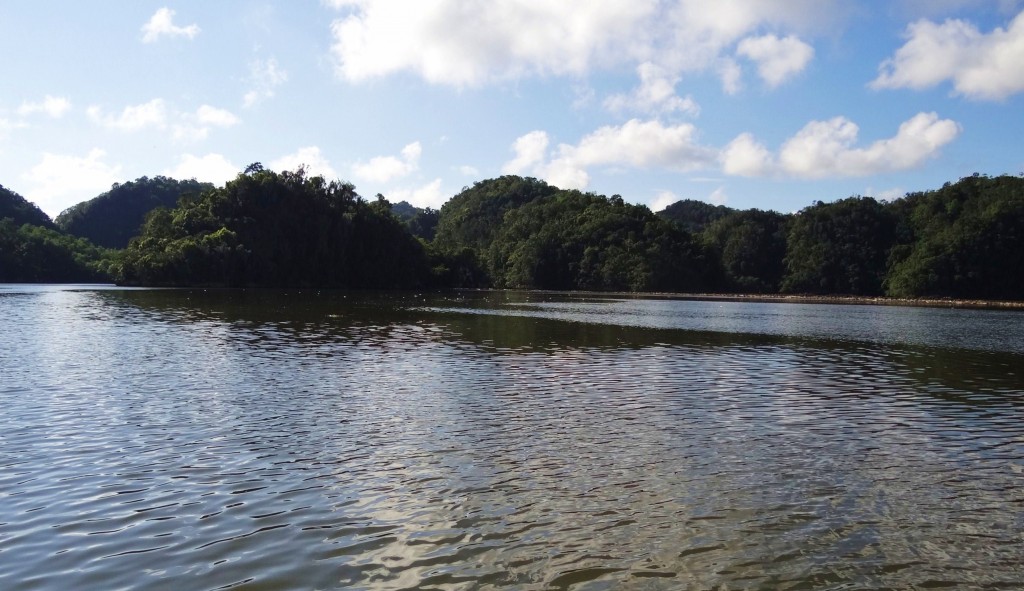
272, 440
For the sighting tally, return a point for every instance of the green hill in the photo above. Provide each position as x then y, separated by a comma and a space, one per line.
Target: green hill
113, 218
20, 210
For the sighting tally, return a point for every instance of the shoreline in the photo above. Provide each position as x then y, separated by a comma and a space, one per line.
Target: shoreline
923, 302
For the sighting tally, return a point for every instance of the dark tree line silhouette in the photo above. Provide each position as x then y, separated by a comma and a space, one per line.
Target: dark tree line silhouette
264, 228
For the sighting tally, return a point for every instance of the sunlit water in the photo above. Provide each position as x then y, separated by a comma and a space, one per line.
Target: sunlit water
287, 440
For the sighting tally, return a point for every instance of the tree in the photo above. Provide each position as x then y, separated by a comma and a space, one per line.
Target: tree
963, 240
751, 247
276, 229
113, 218
839, 248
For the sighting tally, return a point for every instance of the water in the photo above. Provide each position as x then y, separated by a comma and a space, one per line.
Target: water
282, 440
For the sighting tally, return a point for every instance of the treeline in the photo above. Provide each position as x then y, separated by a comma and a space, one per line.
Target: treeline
113, 218
275, 229
964, 240
33, 250
266, 228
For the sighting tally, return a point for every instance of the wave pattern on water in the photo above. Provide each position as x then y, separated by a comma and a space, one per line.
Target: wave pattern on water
169, 439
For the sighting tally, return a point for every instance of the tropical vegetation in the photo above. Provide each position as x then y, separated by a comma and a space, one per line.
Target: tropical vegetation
266, 228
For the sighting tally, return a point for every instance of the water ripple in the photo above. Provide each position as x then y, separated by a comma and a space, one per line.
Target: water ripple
216, 441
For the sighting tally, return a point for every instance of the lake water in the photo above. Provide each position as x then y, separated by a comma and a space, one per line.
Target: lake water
176, 439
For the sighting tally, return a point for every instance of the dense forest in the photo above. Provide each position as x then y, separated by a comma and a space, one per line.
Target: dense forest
33, 250
265, 228
115, 217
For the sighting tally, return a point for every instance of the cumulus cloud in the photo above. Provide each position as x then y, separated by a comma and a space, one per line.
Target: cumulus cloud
530, 150
134, 117
156, 114
382, 169
196, 126
718, 196
161, 24
745, 156
469, 43
980, 66
264, 78
309, 157
59, 181
663, 199
656, 94
428, 195
635, 144
467, 170
53, 106
211, 168
777, 59
826, 149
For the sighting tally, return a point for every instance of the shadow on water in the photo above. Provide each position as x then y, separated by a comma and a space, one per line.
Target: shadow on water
518, 323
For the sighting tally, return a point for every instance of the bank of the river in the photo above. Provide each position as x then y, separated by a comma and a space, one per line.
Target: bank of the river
811, 299
929, 302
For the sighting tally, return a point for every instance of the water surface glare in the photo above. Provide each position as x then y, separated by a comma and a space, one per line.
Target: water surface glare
156, 439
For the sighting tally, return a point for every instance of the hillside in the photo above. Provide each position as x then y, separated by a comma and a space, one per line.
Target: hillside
113, 218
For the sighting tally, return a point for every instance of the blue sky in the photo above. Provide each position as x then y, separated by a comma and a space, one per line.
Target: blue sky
771, 104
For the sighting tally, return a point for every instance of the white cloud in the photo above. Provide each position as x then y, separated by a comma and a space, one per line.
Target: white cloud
211, 168
208, 115
583, 96
60, 180
663, 199
530, 150
156, 114
134, 117
467, 170
981, 66
382, 169
53, 106
161, 24
732, 76
636, 144
885, 194
745, 156
823, 148
473, 42
656, 94
264, 77
428, 195
718, 197
196, 126
6, 126
826, 149
777, 59
309, 157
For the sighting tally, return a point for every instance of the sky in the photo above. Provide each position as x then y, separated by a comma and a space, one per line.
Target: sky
769, 104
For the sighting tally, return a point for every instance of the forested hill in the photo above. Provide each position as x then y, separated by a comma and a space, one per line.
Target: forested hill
32, 250
525, 233
269, 229
964, 240
20, 211
113, 218
694, 216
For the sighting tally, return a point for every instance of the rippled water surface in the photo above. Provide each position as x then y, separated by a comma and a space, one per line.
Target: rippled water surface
286, 440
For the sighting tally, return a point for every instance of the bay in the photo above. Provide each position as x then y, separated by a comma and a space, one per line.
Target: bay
266, 439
